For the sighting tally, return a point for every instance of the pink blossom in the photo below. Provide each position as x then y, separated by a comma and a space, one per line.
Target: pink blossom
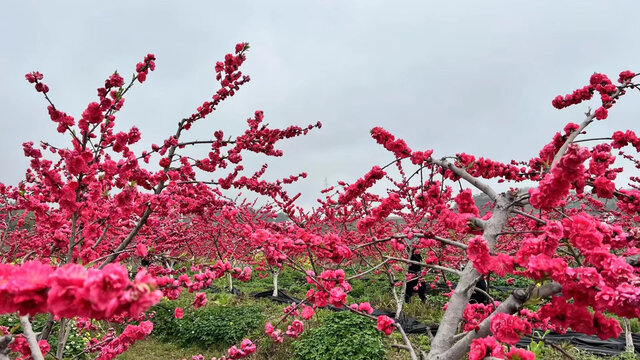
307, 312
385, 324
200, 300
178, 313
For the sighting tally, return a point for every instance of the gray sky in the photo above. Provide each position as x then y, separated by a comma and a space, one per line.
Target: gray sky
472, 76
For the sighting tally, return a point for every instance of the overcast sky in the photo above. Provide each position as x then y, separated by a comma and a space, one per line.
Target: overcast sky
455, 76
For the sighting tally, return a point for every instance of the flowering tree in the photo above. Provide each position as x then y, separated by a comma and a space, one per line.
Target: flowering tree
578, 255
97, 205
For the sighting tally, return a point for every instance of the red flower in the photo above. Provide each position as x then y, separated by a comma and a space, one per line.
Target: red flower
108, 283
66, 286
141, 250
32, 77
200, 300
508, 328
483, 347
520, 354
307, 312
337, 297
385, 324
365, 307
178, 313
478, 253
624, 76
601, 113
29, 285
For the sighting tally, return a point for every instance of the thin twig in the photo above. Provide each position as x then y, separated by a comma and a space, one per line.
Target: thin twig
438, 267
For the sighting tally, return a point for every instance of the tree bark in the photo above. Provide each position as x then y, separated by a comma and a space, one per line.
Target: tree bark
28, 333
275, 282
4, 347
46, 330
627, 337
63, 336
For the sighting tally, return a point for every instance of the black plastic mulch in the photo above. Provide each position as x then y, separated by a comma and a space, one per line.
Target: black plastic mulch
592, 344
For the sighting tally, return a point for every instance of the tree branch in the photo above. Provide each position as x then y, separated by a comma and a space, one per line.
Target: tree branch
407, 345
465, 175
28, 333
437, 267
570, 138
420, 236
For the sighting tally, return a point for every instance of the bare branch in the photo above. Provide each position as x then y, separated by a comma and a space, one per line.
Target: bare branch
465, 175
522, 213
437, 267
407, 346
421, 236
368, 271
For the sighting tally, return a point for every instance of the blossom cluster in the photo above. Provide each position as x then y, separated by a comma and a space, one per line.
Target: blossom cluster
398, 147
387, 205
623, 138
490, 169
111, 346
474, 314
489, 346
331, 287
34, 78
247, 347
172, 287
385, 324
601, 84
567, 173
361, 185
227, 72
508, 328
478, 253
72, 290
143, 68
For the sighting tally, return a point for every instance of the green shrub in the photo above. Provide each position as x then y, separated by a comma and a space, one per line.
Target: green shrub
209, 326
342, 335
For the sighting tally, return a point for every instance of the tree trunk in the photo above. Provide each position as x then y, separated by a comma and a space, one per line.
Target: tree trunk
403, 291
46, 330
275, 282
27, 331
4, 347
627, 337
63, 336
